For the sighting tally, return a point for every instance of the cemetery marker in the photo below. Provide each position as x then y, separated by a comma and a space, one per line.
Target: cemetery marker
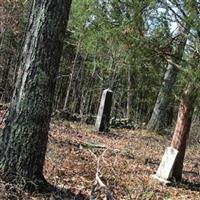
103, 116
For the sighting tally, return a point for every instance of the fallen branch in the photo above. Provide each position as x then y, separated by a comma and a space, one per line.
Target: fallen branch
179, 67
99, 185
93, 145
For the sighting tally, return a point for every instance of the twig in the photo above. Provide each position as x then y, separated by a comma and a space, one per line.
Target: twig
98, 182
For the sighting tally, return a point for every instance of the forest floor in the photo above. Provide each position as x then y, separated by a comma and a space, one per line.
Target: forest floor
125, 159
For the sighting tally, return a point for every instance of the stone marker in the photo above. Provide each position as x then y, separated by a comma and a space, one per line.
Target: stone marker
103, 116
165, 170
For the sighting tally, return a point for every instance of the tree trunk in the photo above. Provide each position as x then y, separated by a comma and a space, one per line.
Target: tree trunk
91, 92
156, 120
113, 71
24, 140
129, 95
163, 99
81, 89
182, 129
71, 75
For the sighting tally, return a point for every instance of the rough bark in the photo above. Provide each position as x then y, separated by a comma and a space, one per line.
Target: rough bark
24, 140
182, 129
4, 81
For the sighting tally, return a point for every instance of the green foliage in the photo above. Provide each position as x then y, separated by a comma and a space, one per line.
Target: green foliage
109, 37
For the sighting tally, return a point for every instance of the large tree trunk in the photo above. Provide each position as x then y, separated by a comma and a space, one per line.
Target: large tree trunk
163, 99
182, 129
24, 140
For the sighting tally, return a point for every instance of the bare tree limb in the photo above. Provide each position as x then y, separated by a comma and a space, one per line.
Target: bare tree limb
98, 185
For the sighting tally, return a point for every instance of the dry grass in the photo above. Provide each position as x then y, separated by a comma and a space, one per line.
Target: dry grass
129, 158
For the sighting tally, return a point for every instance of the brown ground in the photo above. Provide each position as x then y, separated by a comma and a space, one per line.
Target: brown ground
126, 160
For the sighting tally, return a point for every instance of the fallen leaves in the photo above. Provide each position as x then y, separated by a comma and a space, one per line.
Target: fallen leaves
129, 159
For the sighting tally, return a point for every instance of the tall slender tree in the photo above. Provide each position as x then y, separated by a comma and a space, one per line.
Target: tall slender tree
156, 121
185, 18
24, 140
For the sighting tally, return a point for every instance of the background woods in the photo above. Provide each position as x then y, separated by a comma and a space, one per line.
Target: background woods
136, 49
147, 52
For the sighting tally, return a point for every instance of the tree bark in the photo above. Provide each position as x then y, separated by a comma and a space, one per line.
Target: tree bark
24, 140
4, 81
182, 129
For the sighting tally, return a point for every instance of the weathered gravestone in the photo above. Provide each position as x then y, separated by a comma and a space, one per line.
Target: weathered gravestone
165, 170
103, 116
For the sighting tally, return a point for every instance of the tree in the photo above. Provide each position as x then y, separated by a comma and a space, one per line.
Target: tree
185, 18
11, 31
165, 93
185, 114
182, 129
24, 140
156, 121
107, 39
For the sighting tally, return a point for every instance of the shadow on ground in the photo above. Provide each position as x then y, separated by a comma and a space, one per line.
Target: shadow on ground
188, 185
65, 194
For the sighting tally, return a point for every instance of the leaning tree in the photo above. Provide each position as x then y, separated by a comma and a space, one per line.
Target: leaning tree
24, 139
187, 18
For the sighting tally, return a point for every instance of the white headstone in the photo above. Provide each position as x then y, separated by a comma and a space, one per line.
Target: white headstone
103, 116
165, 169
